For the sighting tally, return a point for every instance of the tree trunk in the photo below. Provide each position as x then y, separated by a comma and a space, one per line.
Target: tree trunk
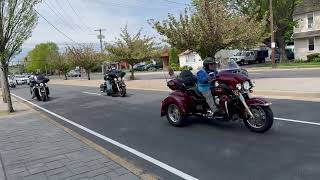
132, 73
282, 47
88, 72
4, 98
65, 76
5, 87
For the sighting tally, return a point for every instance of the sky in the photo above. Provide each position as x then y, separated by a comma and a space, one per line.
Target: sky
78, 19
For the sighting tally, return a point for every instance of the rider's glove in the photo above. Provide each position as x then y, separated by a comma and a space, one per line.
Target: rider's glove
211, 78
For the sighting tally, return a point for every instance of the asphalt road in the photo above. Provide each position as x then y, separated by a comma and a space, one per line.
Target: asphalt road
294, 73
204, 149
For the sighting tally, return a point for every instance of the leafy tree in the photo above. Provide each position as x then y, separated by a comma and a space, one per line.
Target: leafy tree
208, 27
38, 57
283, 17
85, 56
61, 62
132, 48
174, 56
17, 20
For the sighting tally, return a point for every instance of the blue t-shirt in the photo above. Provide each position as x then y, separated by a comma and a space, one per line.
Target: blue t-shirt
203, 83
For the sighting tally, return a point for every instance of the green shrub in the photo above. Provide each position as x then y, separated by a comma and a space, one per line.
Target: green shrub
299, 61
186, 68
175, 67
317, 59
311, 57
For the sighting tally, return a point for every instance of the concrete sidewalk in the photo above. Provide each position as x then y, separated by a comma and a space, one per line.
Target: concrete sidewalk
278, 88
33, 148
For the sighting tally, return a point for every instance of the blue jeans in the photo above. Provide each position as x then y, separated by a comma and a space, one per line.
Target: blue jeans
109, 85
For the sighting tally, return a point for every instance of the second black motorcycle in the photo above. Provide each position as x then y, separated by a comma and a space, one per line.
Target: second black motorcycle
39, 88
114, 84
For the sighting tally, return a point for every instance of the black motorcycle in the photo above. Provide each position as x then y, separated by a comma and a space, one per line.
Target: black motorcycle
39, 88
118, 87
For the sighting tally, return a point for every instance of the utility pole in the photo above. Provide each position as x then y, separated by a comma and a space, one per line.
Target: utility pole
100, 36
273, 44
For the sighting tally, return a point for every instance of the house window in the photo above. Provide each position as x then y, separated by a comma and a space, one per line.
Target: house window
310, 21
311, 44
191, 58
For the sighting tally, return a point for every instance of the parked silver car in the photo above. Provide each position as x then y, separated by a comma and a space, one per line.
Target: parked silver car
74, 73
21, 79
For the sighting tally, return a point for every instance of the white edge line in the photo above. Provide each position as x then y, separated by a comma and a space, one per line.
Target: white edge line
297, 121
92, 93
131, 150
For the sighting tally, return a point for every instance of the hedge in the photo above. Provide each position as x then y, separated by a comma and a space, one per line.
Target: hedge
313, 57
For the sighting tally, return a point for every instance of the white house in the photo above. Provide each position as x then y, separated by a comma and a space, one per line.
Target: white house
190, 58
307, 33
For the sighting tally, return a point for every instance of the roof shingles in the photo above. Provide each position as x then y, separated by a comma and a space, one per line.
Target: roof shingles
307, 6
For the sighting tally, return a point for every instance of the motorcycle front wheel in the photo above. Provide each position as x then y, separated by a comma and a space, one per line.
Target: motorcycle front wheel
44, 97
122, 92
262, 120
38, 97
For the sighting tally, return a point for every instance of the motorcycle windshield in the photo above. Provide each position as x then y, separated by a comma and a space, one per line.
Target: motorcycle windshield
41, 79
227, 65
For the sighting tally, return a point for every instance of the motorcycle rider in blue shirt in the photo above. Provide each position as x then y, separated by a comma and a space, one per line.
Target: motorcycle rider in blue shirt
205, 77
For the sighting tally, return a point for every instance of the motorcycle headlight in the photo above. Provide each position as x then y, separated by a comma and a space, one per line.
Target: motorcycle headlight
41, 84
216, 84
246, 85
238, 86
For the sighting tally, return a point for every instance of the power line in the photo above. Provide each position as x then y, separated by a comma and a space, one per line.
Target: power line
75, 12
60, 17
174, 2
55, 27
122, 4
63, 17
57, 2
58, 9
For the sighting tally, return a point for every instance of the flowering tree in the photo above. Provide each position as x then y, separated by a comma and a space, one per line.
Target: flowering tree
133, 48
208, 27
85, 56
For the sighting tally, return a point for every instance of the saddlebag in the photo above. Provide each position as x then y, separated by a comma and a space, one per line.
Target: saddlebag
175, 84
187, 78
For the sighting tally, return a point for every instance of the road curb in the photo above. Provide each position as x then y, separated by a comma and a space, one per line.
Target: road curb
279, 69
142, 174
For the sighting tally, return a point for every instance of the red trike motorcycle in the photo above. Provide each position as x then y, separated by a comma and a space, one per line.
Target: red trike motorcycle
232, 95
